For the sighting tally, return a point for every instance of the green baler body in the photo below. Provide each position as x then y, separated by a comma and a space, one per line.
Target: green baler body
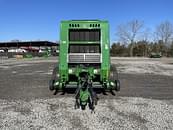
85, 34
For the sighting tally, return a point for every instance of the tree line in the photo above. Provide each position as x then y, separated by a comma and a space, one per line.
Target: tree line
134, 39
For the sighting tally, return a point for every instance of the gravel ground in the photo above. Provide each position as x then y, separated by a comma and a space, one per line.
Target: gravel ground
163, 66
58, 113
144, 102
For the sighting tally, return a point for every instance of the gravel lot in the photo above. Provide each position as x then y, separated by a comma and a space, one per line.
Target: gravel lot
144, 102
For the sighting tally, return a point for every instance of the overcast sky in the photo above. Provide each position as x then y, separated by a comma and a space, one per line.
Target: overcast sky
39, 19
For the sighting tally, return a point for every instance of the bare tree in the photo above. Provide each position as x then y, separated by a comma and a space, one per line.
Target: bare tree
146, 37
164, 32
129, 32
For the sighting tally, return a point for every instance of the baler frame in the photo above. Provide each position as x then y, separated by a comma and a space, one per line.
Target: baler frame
84, 54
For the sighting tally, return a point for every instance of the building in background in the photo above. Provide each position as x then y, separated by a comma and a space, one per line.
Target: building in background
34, 48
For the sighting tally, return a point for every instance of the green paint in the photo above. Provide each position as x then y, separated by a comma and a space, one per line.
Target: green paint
84, 95
65, 71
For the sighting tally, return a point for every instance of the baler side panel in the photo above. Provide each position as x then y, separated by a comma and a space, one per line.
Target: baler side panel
105, 66
63, 66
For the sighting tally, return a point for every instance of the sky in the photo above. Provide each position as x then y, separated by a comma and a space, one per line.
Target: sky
40, 19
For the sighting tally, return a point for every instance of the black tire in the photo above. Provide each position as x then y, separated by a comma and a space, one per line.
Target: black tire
117, 85
114, 77
55, 73
54, 78
51, 85
113, 73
